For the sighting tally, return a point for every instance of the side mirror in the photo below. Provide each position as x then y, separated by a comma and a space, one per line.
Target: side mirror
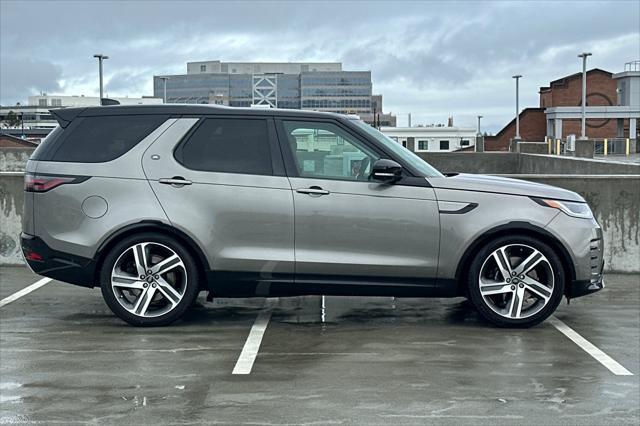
386, 171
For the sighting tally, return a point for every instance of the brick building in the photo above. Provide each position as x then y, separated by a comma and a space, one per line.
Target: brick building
564, 92
10, 141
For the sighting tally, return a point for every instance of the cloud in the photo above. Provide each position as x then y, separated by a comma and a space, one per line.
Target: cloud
434, 59
21, 77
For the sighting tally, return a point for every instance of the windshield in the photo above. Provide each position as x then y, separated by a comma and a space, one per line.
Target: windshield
425, 169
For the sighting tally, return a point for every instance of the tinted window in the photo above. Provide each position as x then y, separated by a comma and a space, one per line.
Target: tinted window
99, 139
326, 151
444, 145
47, 145
228, 145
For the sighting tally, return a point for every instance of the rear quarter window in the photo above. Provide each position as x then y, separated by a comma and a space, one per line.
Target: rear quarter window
228, 145
103, 138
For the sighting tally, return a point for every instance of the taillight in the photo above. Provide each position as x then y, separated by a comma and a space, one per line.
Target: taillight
44, 183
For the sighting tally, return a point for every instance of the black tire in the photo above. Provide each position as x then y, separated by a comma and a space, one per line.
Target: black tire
481, 305
191, 283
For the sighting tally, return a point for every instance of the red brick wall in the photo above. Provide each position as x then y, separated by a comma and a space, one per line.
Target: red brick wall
601, 90
10, 142
533, 128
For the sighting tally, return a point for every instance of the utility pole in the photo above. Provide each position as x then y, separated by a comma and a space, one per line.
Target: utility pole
583, 129
517, 78
479, 147
101, 58
164, 96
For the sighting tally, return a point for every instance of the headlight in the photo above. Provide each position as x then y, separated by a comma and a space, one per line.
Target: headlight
571, 208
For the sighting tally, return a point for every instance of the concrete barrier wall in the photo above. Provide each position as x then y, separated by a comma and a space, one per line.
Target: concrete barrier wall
614, 199
11, 198
473, 162
554, 164
14, 159
514, 163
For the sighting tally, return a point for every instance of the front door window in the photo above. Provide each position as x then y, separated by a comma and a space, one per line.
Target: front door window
324, 150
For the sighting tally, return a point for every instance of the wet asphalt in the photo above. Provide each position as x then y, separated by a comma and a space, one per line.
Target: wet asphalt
65, 359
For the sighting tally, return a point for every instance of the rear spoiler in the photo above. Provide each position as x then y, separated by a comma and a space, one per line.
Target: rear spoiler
64, 116
107, 101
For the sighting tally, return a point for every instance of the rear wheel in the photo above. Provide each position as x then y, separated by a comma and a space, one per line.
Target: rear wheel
516, 281
149, 280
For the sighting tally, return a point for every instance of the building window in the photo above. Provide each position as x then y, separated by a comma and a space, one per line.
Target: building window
464, 142
203, 68
404, 143
56, 102
444, 145
42, 102
423, 145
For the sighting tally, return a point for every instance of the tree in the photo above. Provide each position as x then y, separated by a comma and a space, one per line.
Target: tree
12, 119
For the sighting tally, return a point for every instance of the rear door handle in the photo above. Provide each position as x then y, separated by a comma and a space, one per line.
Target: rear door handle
175, 181
314, 190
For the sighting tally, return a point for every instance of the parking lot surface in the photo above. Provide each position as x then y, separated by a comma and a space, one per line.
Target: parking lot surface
64, 358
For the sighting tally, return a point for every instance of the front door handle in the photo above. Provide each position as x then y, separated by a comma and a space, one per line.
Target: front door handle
176, 181
313, 190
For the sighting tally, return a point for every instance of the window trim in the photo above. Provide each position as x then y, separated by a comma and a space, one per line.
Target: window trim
277, 162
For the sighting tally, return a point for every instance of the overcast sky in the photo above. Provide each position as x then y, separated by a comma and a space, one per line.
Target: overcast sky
433, 59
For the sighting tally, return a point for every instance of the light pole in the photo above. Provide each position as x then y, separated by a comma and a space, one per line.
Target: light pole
583, 129
100, 57
517, 77
164, 97
479, 140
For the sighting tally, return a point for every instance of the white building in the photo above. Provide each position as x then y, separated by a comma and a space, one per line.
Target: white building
36, 115
62, 101
432, 139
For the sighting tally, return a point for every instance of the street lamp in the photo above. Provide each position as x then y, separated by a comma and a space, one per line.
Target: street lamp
100, 57
517, 77
164, 97
583, 129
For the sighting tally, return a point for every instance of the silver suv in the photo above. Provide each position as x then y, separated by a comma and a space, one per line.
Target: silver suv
155, 204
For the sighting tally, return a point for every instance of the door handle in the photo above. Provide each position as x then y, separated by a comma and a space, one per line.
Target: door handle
314, 190
177, 181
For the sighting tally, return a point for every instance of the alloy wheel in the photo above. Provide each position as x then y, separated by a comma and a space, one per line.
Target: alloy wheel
149, 279
516, 281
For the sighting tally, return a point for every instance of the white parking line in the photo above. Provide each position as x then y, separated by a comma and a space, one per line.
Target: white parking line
590, 348
252, 345
17, 295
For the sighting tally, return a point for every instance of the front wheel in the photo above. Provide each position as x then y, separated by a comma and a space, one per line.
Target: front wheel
149, 280
516, 281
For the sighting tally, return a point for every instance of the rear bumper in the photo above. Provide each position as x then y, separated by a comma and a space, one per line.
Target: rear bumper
57, 265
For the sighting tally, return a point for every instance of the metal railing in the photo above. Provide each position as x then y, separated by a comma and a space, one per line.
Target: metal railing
607, 146
611, 146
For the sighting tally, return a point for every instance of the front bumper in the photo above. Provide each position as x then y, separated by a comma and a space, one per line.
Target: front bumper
596, 280
55, 264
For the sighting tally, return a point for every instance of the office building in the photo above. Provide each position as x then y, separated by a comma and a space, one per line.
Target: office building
321, 86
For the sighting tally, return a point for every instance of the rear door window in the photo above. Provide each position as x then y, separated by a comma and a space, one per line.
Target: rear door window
105, 138
228, 145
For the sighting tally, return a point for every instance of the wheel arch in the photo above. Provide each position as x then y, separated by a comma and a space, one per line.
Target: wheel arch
523, 228
155, 227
